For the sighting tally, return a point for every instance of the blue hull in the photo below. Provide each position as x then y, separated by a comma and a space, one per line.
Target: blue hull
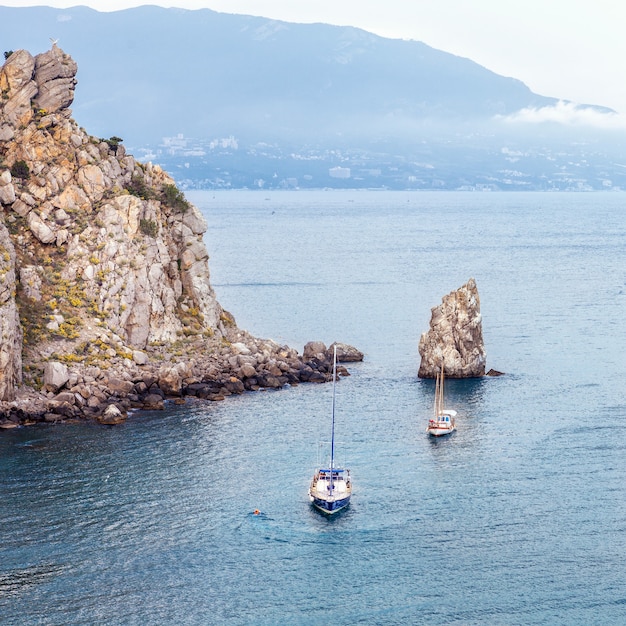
330, 507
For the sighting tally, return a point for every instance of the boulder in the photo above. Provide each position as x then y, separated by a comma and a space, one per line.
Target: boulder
139, 357
112, 415
62, 408
119, 387
247, 371
345, 353
40, 229
153, 401
7, 194
314, 350
455, 336
55, 375
171, 378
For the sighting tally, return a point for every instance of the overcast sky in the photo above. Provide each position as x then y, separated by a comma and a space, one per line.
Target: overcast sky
569, 49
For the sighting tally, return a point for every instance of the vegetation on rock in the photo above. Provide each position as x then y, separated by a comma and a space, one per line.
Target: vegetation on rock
20, 169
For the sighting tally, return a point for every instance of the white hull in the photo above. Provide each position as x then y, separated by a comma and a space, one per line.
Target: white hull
439, 432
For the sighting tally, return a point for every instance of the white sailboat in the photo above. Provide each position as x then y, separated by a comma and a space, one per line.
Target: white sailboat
331, 486
443, 420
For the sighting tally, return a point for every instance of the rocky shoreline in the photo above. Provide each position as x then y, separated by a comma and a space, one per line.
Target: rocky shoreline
71, 393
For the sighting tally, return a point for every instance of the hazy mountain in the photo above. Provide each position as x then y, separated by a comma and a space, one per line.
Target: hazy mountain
148, 72
247, 92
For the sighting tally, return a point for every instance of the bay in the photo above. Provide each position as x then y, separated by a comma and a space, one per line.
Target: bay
517, 518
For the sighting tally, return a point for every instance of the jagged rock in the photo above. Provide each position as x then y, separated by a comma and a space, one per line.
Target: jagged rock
19, 88
240, 348
112, 415
65, 396
55, 375
7, 190
40, 229
119, 387
140, 358
247, 371
153, 401
455, 336
55, 76
62, 408
345, 353
170, 379
314, 350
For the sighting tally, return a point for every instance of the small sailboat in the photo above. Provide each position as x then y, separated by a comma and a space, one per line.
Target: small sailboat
331, 486
442, 422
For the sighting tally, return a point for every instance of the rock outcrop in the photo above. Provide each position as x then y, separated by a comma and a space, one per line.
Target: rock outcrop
105, 293
455, 336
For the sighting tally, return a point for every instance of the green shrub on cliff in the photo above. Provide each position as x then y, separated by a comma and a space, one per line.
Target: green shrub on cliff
137, 187
148, 227
34, 315
113, 142
20, 169
172, 197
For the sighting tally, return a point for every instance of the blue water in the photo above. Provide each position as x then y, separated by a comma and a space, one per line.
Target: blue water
517, 518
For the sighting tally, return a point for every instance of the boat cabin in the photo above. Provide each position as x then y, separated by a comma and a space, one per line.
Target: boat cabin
337, 474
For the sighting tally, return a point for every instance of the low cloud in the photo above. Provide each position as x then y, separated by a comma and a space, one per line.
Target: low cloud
568, 114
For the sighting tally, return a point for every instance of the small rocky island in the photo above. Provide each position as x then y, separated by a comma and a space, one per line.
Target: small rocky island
105, 296
455, 336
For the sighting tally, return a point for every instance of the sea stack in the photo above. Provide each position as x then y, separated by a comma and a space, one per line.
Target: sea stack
455, 336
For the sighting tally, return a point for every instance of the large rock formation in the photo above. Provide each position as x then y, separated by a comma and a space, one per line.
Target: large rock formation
455, 336
124, 240
104, 259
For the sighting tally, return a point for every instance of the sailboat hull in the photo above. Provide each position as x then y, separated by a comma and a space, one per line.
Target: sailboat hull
442, 425
330, 506
434, 431
331, 496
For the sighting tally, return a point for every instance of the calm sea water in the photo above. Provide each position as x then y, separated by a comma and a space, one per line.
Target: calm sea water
517, 518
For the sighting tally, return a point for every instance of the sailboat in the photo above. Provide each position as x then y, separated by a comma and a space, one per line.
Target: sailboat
331, 486
442, 422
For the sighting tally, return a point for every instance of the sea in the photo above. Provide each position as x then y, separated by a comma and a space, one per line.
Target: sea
519, 517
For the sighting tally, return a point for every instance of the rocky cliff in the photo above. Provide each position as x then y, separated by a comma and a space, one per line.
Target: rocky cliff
455, 336
105, 294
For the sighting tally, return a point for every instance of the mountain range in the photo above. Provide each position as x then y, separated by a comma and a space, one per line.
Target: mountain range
226, 100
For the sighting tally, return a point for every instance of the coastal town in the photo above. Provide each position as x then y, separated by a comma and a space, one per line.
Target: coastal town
455, 163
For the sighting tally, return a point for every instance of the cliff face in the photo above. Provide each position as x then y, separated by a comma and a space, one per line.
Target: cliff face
10, 328
96, 230
455, 336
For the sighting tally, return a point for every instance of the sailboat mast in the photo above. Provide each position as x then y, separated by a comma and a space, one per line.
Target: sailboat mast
441, 389
332, 435
439, 392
